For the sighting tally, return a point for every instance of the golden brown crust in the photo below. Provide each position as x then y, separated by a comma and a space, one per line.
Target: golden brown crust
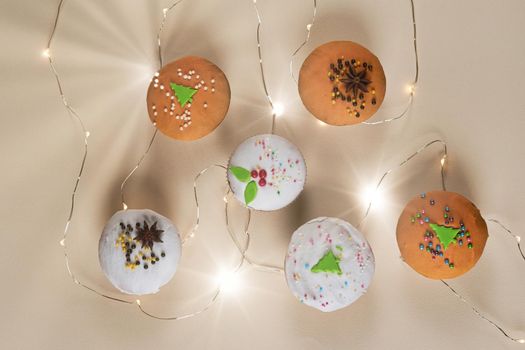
317, 80
411, 234
209, 104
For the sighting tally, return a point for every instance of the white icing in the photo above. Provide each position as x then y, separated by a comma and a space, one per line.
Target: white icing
113, 260
284, 165
328, 291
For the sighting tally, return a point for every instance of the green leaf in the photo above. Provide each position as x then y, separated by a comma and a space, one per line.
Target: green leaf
184, 94
243, 175
250, 192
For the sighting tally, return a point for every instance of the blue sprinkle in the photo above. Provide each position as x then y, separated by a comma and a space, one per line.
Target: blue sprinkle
307, 265
447, 261
430, 244
440, 253
423, 195
421, 246
427, 219
438, 248
346, 283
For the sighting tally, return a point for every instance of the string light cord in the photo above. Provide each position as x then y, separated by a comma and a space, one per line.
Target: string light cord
246, 234
165, 13
479, 314
85, 135
261, 67
411, 87
405, 161
516, 237
476, 311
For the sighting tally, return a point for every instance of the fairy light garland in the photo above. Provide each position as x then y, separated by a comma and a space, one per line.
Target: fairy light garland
277, 109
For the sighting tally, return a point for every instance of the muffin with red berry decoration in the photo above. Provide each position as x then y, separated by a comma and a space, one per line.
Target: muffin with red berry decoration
266, 172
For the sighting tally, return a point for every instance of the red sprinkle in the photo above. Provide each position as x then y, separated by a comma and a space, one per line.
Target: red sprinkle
262, 182
254, 173
262, 173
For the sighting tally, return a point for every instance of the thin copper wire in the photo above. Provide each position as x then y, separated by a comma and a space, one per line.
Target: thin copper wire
165, 12
85, 134
263, 79
421, 149
476, 311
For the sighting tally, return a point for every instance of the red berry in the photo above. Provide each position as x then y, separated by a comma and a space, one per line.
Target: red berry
262, 182
262, 173
254, 174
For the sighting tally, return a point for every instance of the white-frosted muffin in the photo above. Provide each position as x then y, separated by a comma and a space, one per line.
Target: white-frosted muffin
329, 264
266, 172
139, 251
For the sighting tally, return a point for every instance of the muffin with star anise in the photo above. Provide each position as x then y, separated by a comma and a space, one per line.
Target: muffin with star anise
139, 251
342, 83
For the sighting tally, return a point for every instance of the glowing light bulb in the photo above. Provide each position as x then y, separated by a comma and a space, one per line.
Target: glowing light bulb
278, 109
137, 302
521, 341
165, 11
87, 134
411, 89
308, 26
63, 242
228, 281
46, 53
518, 239
372, 195
442, 161
124, 206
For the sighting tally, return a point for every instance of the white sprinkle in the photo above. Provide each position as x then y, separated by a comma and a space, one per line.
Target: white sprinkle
155, 114
189, 123
213, 81
177, 117
168, 94
185, 125
156, 80
179, 70
165, 110
205, 88
157, 74
196, 86
189, 105
162, 87
205, 105
172, 97
213, 90
171, 113
202, 81
198, 76
181, 128
179, 74
156, 85
153, 107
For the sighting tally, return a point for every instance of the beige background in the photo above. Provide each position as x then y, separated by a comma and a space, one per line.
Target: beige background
470, 94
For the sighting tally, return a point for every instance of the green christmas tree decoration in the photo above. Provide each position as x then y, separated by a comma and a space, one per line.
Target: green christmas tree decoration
184, 94
329, 263
446, 235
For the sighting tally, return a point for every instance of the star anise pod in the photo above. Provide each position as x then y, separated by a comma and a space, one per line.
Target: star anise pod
355, 81
148, 235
